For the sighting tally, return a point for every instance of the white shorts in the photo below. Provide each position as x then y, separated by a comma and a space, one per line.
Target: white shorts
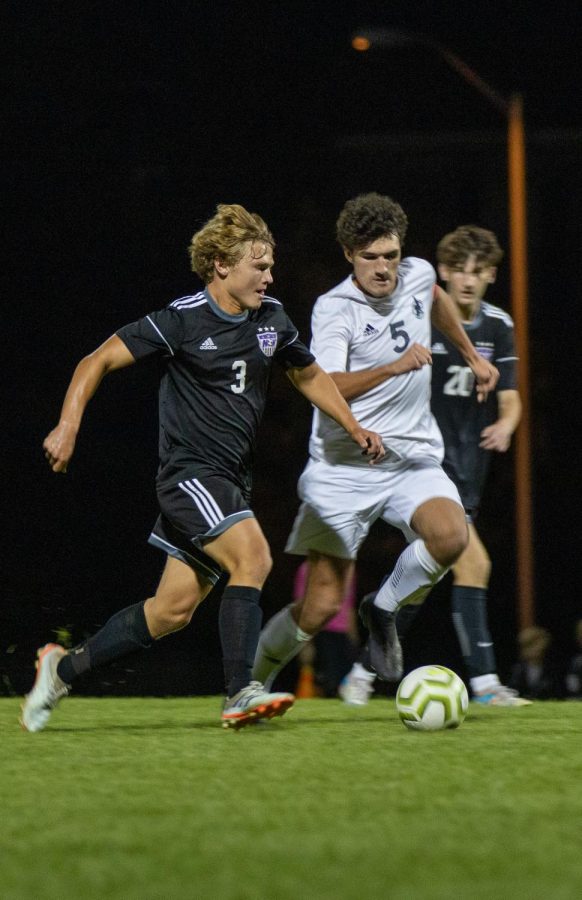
340, 503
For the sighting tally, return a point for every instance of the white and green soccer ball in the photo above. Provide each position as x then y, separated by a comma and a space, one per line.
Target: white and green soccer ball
431, 698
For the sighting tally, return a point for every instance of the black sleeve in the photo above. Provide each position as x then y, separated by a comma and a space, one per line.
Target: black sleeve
159, 332
292, 353
505, 358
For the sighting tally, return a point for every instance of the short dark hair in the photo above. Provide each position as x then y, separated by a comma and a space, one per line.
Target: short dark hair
469, 240
369, 217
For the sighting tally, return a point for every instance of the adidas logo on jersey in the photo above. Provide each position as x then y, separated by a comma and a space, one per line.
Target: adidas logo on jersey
208, 344
438, 347
369, 330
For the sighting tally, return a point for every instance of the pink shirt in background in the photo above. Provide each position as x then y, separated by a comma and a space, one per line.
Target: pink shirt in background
341, 622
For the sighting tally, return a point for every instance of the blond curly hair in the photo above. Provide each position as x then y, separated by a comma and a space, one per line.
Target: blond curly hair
224, 237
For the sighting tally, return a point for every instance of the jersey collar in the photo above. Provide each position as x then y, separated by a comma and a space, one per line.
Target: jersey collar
228, 317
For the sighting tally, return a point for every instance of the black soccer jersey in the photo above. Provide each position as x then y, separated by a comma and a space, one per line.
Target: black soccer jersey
460, 417
214, 385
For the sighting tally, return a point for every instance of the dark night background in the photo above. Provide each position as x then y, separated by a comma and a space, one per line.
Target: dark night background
126, 123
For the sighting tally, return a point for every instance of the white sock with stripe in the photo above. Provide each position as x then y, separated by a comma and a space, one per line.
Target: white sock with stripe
281, 639
414, 574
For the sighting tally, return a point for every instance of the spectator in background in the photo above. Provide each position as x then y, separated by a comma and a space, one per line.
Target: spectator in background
535, 675
574, 671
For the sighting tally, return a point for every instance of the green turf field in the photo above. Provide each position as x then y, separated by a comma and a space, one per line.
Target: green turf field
150, 798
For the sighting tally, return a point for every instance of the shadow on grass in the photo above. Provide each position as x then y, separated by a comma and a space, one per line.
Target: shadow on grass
260, 727
150, 726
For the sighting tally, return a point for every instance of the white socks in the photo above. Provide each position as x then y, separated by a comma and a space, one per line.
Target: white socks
358, 671
482, 683
414, 574
281, 639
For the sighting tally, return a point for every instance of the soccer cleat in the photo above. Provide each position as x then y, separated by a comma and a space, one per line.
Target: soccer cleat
500, 695
46, 691
252, 704
383, 644
355, 690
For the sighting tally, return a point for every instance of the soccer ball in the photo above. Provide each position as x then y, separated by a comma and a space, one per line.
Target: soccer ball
432, 698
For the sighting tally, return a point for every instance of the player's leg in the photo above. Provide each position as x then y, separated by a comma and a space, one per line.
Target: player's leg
471, 574
243, 552
287, 631
332, 522
425, 504
358, 685
133, 628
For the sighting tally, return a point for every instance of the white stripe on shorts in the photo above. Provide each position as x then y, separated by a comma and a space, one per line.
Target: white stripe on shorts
203, 500
195, 483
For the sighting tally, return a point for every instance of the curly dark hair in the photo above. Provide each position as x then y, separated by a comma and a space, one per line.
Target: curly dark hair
369, 217
468, 240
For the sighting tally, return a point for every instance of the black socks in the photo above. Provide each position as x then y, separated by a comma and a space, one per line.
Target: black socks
469, 607
123, 633
239, 623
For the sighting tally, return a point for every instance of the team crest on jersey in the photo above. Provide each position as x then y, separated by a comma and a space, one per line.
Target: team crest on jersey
267, 338
417, 308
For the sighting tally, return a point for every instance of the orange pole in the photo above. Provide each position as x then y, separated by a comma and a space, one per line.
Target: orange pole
519, 301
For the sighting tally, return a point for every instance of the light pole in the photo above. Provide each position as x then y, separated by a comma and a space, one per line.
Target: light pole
512, 109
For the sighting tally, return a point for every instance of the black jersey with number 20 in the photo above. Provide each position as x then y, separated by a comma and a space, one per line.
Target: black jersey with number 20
216, 376
460, 417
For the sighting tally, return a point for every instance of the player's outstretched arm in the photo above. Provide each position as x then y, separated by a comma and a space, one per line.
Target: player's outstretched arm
444, 316
353, 384
320, 389
59, 445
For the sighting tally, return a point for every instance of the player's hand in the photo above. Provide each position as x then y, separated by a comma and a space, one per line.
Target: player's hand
486, 377
415, 357
59, 446
370, 442
496, 437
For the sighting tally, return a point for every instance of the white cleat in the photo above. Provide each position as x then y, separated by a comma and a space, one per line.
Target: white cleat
252, 704
46, 691
500, 695
356, 690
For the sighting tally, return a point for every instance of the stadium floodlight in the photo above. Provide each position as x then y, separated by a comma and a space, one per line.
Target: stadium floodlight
369, 39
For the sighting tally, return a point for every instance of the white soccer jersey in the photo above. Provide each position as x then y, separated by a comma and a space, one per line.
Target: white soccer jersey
352, 332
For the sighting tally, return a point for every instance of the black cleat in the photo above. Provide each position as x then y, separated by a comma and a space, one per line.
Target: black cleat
384, 647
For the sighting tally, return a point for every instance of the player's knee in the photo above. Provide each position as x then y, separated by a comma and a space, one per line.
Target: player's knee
448, 546
173, 614
254, 568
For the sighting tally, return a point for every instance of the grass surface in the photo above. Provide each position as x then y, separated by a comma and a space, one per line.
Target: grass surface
150, 798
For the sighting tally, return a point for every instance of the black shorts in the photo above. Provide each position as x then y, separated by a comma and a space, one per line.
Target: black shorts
194, 511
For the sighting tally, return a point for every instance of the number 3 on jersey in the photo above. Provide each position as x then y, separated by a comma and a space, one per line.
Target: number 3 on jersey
240, 368
461, 382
